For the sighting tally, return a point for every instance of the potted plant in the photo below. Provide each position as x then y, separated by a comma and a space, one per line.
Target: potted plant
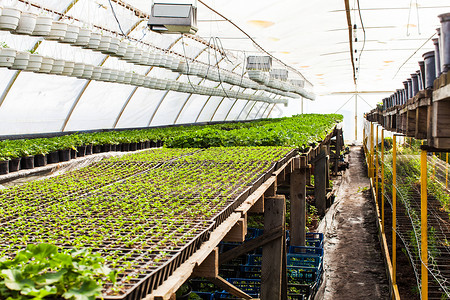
27, 23
21, 60
9, 19
4, 162
7, 55
43, 25
34, 62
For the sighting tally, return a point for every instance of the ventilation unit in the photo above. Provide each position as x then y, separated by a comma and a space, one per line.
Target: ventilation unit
174, 17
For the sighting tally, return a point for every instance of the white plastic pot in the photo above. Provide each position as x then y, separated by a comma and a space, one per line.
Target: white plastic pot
84, 35
137, 56
78, 69
58, 67
152, 82
97, 72
147, 81
71, 34
114, 75
34, 63
58, 31
127, 77
7, 57
27, 23
68, 68
120, 77
134, 78
87, 72
106, 74
9, 19
105, 41
21, 60
129, 54
43, 25
113, 46
123, 45
94, 41
175, 63
145, 56
47, 65
151, 59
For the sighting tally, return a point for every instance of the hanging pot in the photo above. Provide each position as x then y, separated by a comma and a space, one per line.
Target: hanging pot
113, 46
122, 48
58, 31
27, 162
120, 77
437, 57
105, 41
40, 160
83, 38
151, 59
87, 72
430, 69
7, 57
71, 34
14, 164
414, 84
21, 60
9, 19
4, 167
47, 65
140, 80
129, 54
78, 70
68, 68
137, 56
43, 25
114, 75
144, 58
58, 67
419, 80
96, 73
422, 73
445, 41
27, 23
127, 77
34, 63
134, 78
106, 74
94, 41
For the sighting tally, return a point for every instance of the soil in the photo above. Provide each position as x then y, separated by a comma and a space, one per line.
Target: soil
353, 264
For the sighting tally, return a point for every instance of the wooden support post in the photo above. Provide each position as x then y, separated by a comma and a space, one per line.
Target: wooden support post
446, 170
272, 257
238, 232
338, 150
258, 207
272, 190
382, 181
209, 268
376, 167
298, 204
320, 187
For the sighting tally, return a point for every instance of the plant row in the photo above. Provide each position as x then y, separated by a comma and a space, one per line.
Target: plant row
298, 131
141, 212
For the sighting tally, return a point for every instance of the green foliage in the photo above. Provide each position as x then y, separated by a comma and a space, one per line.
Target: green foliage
42, 270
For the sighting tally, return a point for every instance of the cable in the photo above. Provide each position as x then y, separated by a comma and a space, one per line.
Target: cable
117, 20
364, 38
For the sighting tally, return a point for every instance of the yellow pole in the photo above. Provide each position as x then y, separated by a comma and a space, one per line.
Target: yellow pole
371, 152
382, 180
394, 210
434, 164
446, 170
376, 167
424, 231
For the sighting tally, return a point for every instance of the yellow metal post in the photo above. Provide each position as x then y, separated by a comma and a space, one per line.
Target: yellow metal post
424, 231
446, 170
371, 152
394, 210
434, 164
382, 180
376, 166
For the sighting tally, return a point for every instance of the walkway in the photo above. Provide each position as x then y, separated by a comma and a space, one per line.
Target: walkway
353, 264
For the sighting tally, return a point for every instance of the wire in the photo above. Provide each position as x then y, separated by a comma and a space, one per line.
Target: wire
364, 38
117, 20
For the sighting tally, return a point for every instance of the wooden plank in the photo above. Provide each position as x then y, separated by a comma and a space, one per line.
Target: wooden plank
255, 196
272, 189
183, 272
442, 93
238, 232
298, 205
258, 207
209, 267
272, 257
222, 283
250, 245
320, 174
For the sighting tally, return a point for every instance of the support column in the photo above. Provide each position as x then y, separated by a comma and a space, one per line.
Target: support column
273, 254
320, 181
298, 202
424, 225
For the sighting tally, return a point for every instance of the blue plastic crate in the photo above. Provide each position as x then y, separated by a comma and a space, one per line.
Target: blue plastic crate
225, 295
314, 243
303, 275
205, 295
253, 233
249, 286
314, 236
225, 246
302, 260
305, 250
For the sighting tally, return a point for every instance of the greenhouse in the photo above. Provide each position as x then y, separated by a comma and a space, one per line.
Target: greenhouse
203, 149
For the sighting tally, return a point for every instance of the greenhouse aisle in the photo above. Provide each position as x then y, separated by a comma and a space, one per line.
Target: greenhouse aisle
353, 264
